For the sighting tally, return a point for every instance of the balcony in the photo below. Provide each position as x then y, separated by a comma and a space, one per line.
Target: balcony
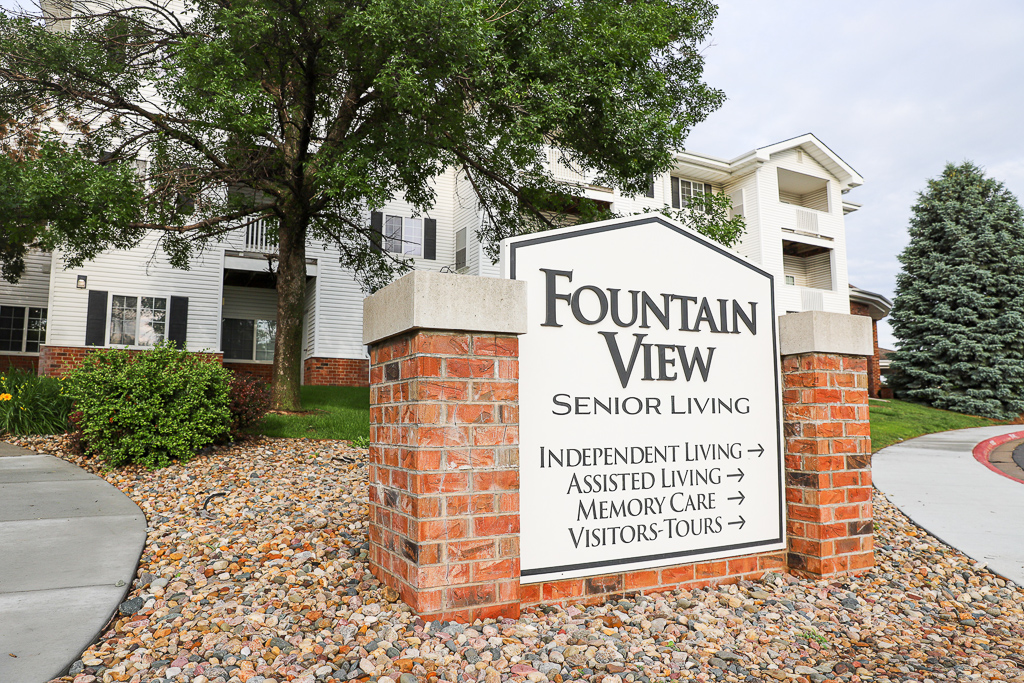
810, 223
259, 236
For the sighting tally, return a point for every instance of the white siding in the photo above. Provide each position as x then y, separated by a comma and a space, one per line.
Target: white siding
777, 221
817, 200
250, 303
819, 271
141, 271
33, 289
339, 324
310, 319
466, 216
333, 306
743, 192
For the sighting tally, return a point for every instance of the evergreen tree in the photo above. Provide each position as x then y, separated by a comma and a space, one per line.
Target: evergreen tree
959, 308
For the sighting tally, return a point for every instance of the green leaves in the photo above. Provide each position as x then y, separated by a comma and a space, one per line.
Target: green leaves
150, 407
327, 110
959, 308
331, 108
30, 404
58, 198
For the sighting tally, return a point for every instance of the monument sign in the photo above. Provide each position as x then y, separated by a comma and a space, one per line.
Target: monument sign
650, 412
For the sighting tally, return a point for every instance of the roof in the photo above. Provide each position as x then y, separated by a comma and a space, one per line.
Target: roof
818, 150
876, 303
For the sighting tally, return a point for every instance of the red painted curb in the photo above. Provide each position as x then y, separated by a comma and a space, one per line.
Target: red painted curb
985, 448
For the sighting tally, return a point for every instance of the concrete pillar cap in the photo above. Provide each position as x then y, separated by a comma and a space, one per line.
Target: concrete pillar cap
822, 332
425, 300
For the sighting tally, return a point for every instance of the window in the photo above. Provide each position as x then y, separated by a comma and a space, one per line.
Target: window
403, 235
265, 331
790, 279
137, 320
248, 339
22, 328
460, 249
682, 190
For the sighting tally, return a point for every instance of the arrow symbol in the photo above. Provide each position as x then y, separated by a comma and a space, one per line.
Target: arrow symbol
759, 451
740, 498
738, 474
741, 522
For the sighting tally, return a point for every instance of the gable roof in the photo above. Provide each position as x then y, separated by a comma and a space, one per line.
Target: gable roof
818, 150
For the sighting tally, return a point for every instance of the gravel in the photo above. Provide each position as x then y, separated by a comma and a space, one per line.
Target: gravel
272, 585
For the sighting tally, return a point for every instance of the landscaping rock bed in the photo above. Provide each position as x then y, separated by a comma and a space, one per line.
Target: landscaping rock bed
269, 582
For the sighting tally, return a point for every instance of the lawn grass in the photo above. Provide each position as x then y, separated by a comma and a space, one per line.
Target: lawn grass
344, 413
335, 413
894, 421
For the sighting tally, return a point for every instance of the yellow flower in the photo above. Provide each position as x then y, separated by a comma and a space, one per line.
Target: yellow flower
5, 397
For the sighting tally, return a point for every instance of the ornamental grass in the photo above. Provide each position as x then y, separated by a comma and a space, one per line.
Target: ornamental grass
30, 404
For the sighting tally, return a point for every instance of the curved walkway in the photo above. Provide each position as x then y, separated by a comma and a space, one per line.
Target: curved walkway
69, 546
936, 481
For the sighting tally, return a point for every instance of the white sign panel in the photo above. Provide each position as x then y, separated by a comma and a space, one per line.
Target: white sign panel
650, 411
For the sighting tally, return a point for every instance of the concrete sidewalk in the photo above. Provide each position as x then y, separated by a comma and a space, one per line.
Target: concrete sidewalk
70, 545
936, 481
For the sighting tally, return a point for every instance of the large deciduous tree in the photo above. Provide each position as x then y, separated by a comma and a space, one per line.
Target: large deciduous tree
318, 111
959, 307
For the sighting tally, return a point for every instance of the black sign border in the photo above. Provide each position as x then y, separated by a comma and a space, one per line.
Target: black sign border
704, 242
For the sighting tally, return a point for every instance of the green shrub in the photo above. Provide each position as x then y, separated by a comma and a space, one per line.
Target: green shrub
150, 407
30, 404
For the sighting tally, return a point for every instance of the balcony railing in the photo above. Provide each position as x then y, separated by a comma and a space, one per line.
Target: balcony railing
806, 221
812, 223
256, 236
564, 172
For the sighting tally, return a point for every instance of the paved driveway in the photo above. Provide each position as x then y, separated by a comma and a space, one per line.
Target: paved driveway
936, 481
69, 547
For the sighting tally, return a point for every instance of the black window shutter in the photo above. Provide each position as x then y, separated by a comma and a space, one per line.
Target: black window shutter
675, 192
650, 185
177, 324
430, 239
377, 230
96, 319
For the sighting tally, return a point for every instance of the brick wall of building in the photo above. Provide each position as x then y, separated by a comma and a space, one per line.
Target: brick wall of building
444, 472
828, 464
264, 371
56, 361
19, 362
337, 372
874, 371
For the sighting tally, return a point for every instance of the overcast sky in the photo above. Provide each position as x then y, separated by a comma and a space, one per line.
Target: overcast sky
896, 89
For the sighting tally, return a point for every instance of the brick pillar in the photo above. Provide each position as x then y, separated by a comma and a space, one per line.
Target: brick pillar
828, 442
444, 430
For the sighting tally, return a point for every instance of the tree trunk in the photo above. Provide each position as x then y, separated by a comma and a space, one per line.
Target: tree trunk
291, 300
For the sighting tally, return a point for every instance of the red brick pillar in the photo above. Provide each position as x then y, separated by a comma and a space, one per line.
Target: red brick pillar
444, 430
828, 442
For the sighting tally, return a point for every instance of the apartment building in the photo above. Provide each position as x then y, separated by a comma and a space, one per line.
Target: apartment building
791, 194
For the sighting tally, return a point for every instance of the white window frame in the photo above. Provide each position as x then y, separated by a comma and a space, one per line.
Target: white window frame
691, 187
255, 341
397, 238
138, 318
24, 329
